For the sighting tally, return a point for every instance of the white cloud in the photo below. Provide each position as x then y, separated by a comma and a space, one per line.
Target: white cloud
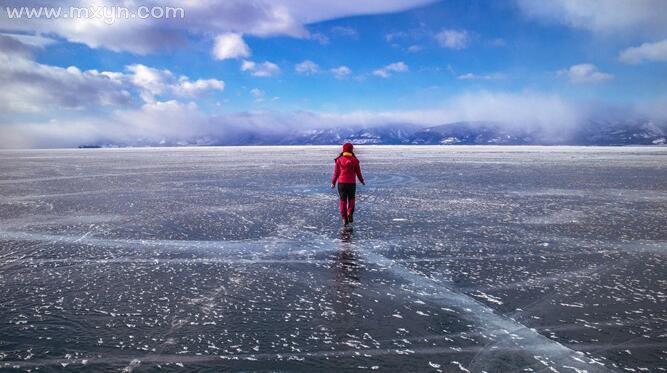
342, 31
585, 73
654, 109
522, 109
468, 76
346, 31
473, 76
230, 45
646, 52
497, 42
608, 16
341, 71
150, 81
396, 67
154, 82
29, 86
454, 39
263, 18
11, 46
257, 94
320, 38
36, 41
313, 11
307, 67
263, 70
395, 36
552, 115
196, 88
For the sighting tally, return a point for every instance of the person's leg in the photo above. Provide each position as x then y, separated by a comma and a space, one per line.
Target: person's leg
343, 208
350, 202
342, 203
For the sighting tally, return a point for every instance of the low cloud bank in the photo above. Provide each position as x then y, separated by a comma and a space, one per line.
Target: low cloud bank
175, 123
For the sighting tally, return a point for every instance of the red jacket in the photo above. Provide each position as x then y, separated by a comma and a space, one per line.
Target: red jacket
347, 169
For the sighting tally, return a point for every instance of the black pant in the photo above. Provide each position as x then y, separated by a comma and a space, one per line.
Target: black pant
347, 191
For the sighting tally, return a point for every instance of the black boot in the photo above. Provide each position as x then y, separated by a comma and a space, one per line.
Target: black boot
350, 217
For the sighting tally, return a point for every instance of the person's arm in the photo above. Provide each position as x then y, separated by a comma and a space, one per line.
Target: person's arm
357, 170
335, 174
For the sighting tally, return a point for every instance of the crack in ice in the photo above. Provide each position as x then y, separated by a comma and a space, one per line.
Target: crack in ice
485, 317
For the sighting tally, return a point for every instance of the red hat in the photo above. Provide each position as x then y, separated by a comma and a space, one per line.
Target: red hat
347, 147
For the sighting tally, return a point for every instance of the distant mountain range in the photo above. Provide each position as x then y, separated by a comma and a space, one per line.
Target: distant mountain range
487, 133
606, 133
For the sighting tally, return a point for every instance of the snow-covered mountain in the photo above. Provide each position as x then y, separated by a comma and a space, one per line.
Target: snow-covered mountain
473, 133
386, 135
620, 133
489, 133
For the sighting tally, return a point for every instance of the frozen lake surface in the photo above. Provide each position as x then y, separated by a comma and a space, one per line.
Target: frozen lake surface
462, 259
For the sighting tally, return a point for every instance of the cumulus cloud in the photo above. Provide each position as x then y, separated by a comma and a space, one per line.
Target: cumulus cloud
230, 45
154, 82
453, 39
29, 86
585, 73
307, 67
609, 16
150, 81
186, 87
396, 67
263, 18
341, 72
263, 70
646, 52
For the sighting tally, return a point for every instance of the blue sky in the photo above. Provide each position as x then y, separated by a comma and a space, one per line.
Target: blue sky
420, 62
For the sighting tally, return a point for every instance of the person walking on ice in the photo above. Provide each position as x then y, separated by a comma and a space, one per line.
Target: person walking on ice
346, 172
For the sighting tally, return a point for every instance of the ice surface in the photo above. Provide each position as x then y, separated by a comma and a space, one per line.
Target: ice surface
462, 259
